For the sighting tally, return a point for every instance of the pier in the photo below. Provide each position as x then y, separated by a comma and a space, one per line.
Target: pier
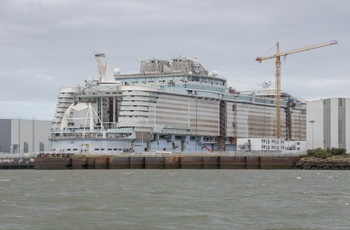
166, 162
135, 161
17, 163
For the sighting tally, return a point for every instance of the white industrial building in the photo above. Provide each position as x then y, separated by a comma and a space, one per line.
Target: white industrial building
328, 123
271, 146
24, 136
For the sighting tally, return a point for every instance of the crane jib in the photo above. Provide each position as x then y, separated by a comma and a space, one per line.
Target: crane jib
278, 74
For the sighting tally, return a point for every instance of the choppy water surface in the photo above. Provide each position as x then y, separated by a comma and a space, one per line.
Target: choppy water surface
174, 199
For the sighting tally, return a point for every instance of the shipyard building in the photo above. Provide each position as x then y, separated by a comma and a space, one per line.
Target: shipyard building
24, 136
328, 123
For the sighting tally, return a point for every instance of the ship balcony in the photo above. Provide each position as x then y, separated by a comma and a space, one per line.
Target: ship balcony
133, 122
133, 103
56, 120
136, 98
61, 109
67, 104
58, 115
208, 140
62, 105
65, 100
134, 113
70, 89
110, 125
134, 108
137, 93
77, 134
66, 95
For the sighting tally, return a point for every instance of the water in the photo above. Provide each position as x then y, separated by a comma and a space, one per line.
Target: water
174, 199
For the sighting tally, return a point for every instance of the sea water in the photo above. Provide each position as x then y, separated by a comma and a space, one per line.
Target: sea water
174, 199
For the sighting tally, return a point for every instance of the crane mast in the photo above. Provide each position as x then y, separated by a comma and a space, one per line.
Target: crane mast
278, 56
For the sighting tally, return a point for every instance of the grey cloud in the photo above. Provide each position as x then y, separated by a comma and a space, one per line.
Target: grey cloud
48, 44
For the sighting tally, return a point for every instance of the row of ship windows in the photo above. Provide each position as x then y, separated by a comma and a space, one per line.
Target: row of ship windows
272, 141
176, 116
174, 98
257, 115
204, 104
96, 149
257, 111
133, 116
193, 100
172, 80
276, 141
272, 147
275, 147
206, 123
265, 109
166, 99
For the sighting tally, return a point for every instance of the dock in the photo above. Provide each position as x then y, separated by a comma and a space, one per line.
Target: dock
166, 162
180, 161
17, 163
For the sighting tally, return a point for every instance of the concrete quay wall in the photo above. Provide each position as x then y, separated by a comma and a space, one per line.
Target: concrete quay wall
168, 162
16, 163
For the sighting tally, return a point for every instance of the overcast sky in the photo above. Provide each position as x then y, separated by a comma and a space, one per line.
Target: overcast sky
47, 44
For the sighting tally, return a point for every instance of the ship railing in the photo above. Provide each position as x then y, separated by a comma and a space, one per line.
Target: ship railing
221, 153
18, 155
96, 134
110, 125
263, 153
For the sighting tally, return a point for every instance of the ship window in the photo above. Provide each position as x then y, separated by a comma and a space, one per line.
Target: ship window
195, 78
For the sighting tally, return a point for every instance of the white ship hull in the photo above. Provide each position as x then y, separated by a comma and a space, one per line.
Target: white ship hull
176, 107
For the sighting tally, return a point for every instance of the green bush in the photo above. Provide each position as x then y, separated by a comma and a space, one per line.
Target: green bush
338, 151
324, 153
314, 152
311, 152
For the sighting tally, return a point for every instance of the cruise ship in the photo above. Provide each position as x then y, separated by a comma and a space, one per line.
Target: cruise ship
170, 106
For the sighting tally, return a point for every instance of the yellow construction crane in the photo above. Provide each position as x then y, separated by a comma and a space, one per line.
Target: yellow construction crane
278, 56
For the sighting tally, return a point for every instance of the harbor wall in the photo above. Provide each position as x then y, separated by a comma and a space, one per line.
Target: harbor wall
168, 162
16, 163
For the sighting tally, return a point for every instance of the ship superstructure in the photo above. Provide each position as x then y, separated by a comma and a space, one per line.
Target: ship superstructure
172, 106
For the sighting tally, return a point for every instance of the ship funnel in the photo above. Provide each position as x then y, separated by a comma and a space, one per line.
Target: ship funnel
104, 70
